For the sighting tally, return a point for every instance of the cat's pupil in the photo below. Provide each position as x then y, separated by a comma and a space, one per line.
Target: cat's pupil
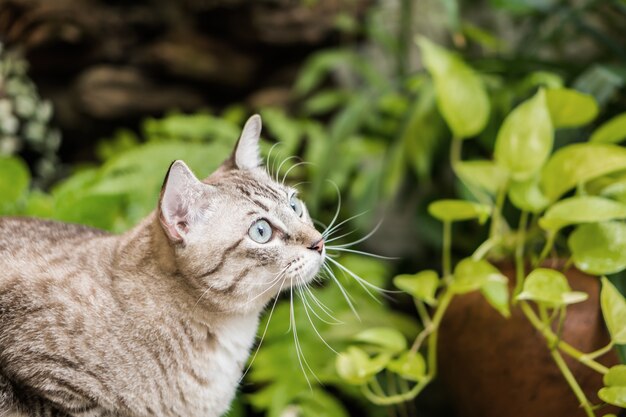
261, 230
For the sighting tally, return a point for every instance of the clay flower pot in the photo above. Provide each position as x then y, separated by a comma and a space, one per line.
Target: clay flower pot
492, 366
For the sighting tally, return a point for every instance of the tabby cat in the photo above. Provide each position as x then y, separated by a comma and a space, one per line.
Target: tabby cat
158, 321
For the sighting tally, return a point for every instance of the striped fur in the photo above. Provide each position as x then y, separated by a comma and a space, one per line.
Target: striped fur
138, 324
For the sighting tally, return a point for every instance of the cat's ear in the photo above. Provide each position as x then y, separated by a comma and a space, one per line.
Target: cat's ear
247, 154
178, 206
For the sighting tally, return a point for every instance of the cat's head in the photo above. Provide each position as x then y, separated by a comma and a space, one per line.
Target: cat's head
238, 236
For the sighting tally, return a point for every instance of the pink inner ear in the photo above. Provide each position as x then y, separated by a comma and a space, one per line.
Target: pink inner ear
171, 229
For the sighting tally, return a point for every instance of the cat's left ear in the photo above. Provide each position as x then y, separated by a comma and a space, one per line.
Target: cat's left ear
247, 154
178, 205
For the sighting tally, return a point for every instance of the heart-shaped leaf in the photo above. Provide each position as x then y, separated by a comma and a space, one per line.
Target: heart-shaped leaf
576, 164
471, 275
599, 248
486, 175
614, 312
356, 367
525, 139
613, 131
409, 365
549, 287
577, 210
527, 195
614, 391
496, 292
461, 96
458, 210
421, 285
387, 339
570, 108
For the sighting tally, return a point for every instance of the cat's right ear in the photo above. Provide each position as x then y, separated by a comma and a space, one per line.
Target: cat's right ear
247, 153
178, 208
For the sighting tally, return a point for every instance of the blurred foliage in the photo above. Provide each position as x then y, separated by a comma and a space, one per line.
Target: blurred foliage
370, 120
25, 118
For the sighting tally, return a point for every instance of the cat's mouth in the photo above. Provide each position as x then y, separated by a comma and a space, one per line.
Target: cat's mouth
303, 270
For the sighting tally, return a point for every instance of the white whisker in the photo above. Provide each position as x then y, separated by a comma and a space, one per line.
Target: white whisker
343, 290
342, 249
292, 167
367, 236
306, 311
360, 280
330, 231
269, 319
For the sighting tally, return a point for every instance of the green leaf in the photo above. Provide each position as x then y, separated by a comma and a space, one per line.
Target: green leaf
458, 210
409, 365
570, 108
613, 131
614, 391
527, 195
356, 367
14, 180
614, 312
525, 138
471, 275
550, 287
461, 96
422, 285
386, 338
577, 210
599, 248
496, 292
576, 164
486, 175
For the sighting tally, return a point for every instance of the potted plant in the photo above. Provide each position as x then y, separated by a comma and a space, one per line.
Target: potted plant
530, 312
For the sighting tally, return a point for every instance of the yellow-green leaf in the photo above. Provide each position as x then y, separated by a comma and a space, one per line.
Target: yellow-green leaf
525, 139
422, 285
527, 195
576, 164
599, 248
409, 365
385, 338
584, 209
458, 210
550, 287
570, 108
461, 95
484, 174
614, 311
471, 275
613, 131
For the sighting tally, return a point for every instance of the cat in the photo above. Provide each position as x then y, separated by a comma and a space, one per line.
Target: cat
158, 321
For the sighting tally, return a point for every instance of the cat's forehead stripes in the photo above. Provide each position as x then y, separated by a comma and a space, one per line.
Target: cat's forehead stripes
255, 189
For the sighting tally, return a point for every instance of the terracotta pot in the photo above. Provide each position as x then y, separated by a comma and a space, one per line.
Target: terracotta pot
491, 366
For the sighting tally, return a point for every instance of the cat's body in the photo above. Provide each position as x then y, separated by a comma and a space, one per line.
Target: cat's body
158, 321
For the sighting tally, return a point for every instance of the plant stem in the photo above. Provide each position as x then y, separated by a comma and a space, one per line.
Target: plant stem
444, 302
571, 380
563, 346
519, 254
546, 248
497, 213
601, 351
446, 255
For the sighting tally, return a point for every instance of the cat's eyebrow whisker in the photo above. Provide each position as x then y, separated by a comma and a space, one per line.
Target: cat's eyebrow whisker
292, 167
342, 289
269, 319
332, 222
319, 223
269, 157
283, 163
306, 311
342, 249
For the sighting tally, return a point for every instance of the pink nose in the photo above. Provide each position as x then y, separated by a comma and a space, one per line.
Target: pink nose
318, 246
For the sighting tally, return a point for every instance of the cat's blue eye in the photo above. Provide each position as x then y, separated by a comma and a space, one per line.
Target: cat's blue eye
260, 231
296, 205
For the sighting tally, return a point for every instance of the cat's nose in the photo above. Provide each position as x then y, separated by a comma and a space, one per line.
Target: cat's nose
318, 246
